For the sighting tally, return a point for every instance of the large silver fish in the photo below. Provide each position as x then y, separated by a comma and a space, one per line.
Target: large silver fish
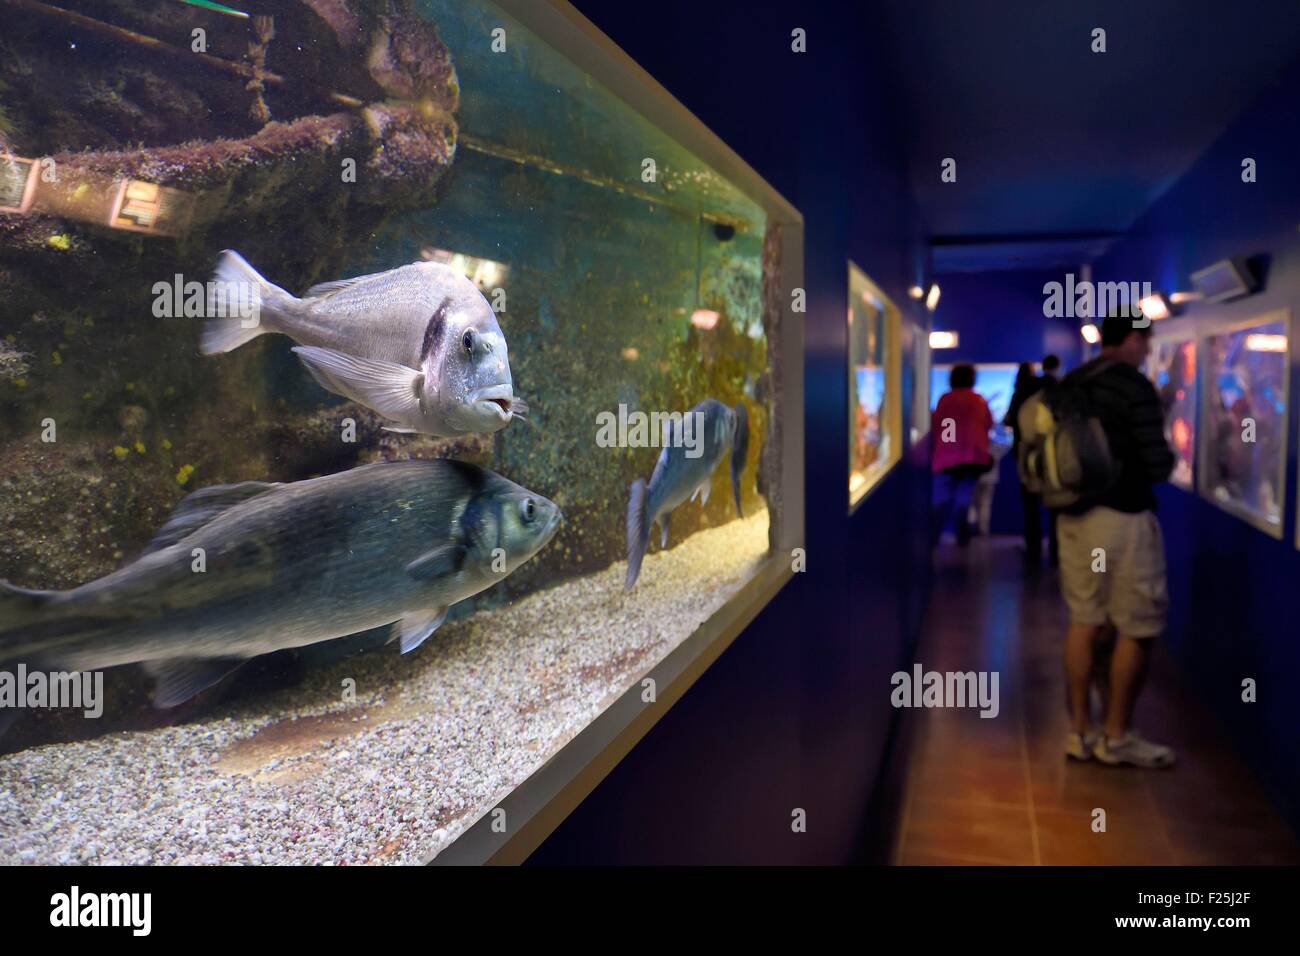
418, 344
286, 565
680, 474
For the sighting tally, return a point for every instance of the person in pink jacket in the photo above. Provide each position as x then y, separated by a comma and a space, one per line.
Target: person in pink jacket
959, 449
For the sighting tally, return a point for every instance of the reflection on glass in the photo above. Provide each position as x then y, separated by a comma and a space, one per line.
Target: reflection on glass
1244, 428
1172, 369
874, 387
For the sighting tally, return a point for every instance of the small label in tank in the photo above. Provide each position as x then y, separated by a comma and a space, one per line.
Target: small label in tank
17, 183
148, 207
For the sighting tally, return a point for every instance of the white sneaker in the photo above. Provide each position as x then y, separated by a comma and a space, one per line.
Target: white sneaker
1080, 746
1133, 751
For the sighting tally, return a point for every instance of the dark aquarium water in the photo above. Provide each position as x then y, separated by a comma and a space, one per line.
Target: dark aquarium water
308, 570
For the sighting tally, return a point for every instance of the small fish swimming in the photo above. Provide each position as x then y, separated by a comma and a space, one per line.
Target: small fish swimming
418, 344
678, 476
286, 565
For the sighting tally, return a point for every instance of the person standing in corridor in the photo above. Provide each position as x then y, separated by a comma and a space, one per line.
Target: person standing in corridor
959, 427
1027, 386
1113, 553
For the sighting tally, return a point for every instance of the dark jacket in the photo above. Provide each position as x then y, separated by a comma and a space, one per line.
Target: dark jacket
1127, 405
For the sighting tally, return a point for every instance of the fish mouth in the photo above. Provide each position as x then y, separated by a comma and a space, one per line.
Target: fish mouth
495, 399
552, 526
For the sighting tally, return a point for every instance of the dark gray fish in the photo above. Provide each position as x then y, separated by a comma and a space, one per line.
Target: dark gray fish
678, 476
418, 344
287, 565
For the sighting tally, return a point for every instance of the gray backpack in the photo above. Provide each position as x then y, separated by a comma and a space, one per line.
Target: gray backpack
1064, 453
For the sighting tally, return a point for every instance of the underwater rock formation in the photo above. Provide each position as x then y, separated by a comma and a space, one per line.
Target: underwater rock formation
368, 124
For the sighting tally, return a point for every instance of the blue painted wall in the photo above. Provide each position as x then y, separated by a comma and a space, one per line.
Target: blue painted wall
1234, 613
796, 713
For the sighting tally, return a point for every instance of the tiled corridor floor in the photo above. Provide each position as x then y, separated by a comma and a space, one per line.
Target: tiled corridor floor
999, 791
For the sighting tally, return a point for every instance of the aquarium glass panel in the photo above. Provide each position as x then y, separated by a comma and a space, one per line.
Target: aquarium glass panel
384, 399
875, 394
1243, 429
1172, 369
995, 381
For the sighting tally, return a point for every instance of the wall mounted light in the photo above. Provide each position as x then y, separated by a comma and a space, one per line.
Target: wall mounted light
1090, 334
943, 340
932, 300
1182, 298
1155, 306
916, 292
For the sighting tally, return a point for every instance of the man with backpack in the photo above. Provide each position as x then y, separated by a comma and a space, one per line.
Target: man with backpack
1112, 552
1027, 386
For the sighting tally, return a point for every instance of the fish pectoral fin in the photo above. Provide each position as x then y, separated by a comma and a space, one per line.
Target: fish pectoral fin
704, 490
663, 529
398, 431
390, 389
415, 627
177, 679
439, 562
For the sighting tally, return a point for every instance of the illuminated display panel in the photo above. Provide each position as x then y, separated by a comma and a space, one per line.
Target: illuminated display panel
1243, 425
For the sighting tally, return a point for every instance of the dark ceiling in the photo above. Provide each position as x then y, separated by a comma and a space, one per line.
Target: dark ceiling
1059, 148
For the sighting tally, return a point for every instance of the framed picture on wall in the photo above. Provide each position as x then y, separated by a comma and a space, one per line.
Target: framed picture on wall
1243, 427
1172, 369
875, 393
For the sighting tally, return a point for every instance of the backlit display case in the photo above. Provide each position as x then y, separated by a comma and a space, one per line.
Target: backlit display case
1243, 430
1172, 369
875, 393
995, 381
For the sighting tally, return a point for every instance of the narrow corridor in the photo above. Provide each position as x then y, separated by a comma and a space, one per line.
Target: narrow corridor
1000, 791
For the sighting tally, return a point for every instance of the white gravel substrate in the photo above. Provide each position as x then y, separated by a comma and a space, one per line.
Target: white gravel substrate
431, 742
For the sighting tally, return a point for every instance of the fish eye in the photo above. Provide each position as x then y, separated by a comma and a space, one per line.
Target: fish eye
468, 341
528, 509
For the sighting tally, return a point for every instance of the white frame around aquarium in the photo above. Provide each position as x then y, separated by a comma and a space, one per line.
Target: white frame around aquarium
893, 395
1204, 334
541, 803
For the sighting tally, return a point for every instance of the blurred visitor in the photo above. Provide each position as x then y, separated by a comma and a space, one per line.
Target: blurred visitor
1119, 528
959, 428
1028, 385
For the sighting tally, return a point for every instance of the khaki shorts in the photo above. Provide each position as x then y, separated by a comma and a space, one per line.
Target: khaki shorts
1131, 592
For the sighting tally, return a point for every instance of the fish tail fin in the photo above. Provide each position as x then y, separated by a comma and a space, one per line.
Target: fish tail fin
739, 451
19, 606
245, 305
638, 532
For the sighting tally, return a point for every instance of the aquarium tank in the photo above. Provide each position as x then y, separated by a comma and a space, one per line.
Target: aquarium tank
875, 388
1243, 429
384, 396
1172, 369
995, 381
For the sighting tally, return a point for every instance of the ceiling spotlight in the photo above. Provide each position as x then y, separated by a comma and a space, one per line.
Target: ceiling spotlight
932, 299
943, 340
1090, 334
916, 292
